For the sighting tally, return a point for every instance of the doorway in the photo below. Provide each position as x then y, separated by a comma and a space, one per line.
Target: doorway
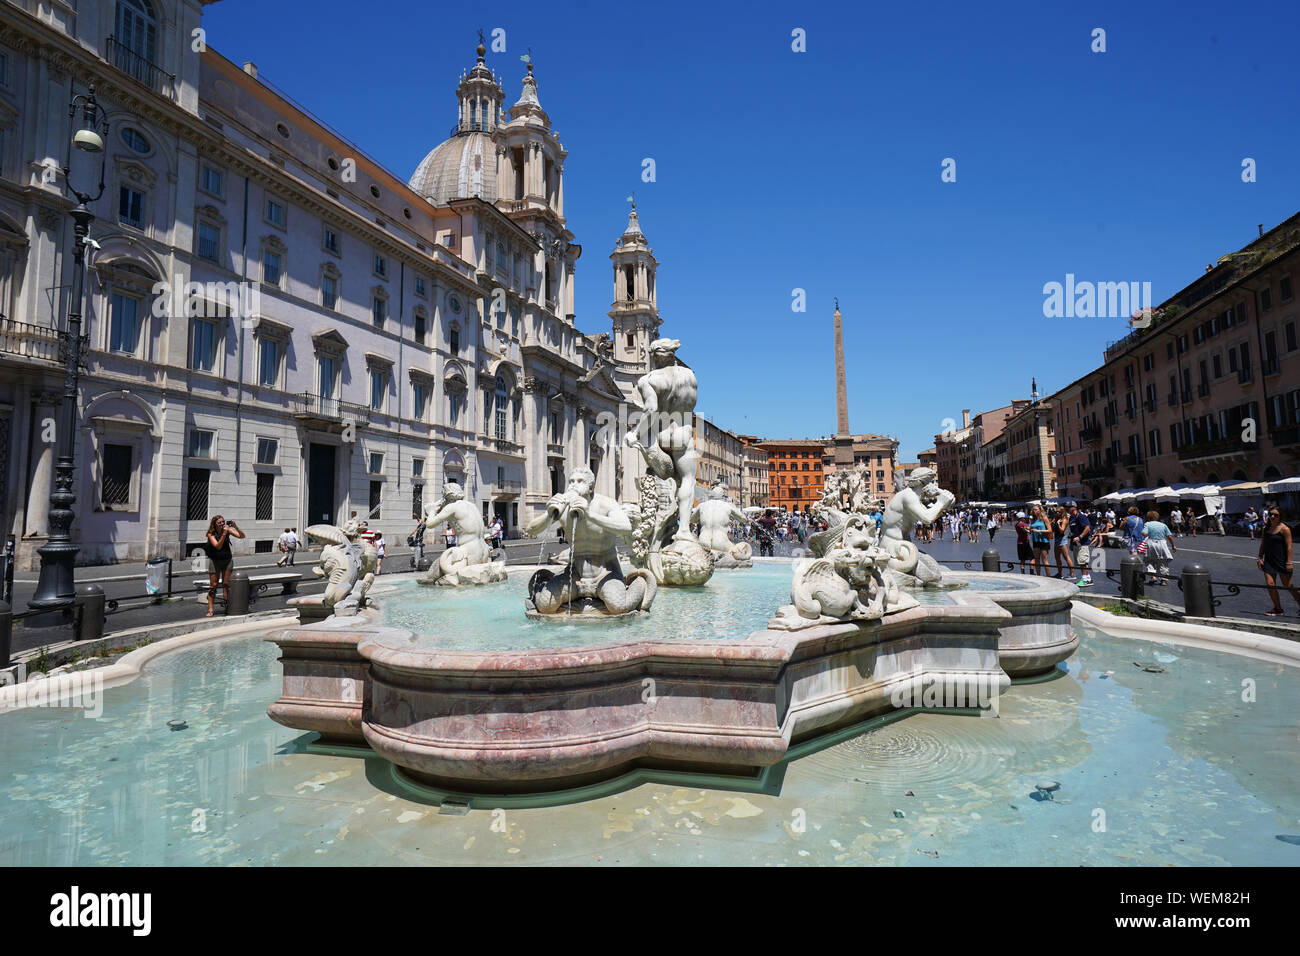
321, 472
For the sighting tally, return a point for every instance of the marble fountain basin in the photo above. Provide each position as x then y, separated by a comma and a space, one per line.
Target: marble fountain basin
489, 702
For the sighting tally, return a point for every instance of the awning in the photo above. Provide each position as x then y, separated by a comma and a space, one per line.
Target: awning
1243, 488
1166, 492
1123, 494
1282, 486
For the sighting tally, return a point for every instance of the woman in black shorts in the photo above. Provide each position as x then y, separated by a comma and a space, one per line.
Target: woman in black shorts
217, 548
1275, 559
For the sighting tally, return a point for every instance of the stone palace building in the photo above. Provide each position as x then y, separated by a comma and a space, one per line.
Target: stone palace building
277, 328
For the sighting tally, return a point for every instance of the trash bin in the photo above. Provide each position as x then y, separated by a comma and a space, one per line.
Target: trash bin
155, 575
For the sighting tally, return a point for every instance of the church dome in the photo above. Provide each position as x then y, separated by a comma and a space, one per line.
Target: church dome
463, 166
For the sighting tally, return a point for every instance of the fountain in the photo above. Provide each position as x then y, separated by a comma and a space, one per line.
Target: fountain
471, 701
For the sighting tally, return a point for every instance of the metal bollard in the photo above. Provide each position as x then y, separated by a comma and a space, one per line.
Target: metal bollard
6, 632
1198, 598
992, 560
237, 603
1132, 577
90, 600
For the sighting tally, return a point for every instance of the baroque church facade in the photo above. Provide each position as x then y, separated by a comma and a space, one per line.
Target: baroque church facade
278, 329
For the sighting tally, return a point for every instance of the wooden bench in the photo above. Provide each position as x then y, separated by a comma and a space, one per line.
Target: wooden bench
288, 581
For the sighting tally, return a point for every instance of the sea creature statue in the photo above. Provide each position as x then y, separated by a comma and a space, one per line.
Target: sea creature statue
917, 497
843, 582
664, 435
349, 564
592, 583
715, 514
470, 560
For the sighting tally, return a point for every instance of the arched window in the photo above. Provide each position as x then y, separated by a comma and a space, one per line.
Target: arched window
136, 33
503, 400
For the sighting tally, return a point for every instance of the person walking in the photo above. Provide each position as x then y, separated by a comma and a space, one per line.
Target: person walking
1023, 551
1061, 535
295, 543
416, 541
1215, 514
1252, 521
449, 536
766, 531
1040, 537
1133, 530
1101, 530
1079, 531
381, 548
220, 558
1275, 558
1176, 522
1160, 549
1191, 520
282, 543
992, 527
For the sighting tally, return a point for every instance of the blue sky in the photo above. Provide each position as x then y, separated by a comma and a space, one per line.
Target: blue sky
820, 170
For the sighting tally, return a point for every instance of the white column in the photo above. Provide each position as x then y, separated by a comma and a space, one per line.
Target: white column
38, 497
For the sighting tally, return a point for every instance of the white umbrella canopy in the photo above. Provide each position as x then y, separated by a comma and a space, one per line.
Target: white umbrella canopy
1167, 492
1282, 486
1123, 494
1202, 491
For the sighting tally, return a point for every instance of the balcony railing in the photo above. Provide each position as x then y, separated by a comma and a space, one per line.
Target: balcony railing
507, 487
1285, 435
1095, 472
29, 341
1090, 433
307, 405
1214, 448
1131, 460
138, 68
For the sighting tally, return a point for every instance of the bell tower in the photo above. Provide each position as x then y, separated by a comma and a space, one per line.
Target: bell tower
635, 312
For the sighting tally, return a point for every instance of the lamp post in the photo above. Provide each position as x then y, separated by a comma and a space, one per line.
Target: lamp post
55, 589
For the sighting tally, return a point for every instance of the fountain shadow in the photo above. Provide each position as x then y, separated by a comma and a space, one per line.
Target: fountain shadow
769, 781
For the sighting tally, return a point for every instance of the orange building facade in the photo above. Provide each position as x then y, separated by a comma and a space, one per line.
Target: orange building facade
795, 474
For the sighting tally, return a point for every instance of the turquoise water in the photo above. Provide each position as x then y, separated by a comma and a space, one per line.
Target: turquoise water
732, 606
1175, 765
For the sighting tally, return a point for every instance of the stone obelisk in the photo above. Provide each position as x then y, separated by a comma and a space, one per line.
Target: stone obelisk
841, 387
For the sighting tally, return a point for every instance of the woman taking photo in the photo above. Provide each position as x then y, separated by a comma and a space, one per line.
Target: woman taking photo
217, 548
1275, 558
1040, 536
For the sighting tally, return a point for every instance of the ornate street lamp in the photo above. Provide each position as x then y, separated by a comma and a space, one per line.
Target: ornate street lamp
55, 589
